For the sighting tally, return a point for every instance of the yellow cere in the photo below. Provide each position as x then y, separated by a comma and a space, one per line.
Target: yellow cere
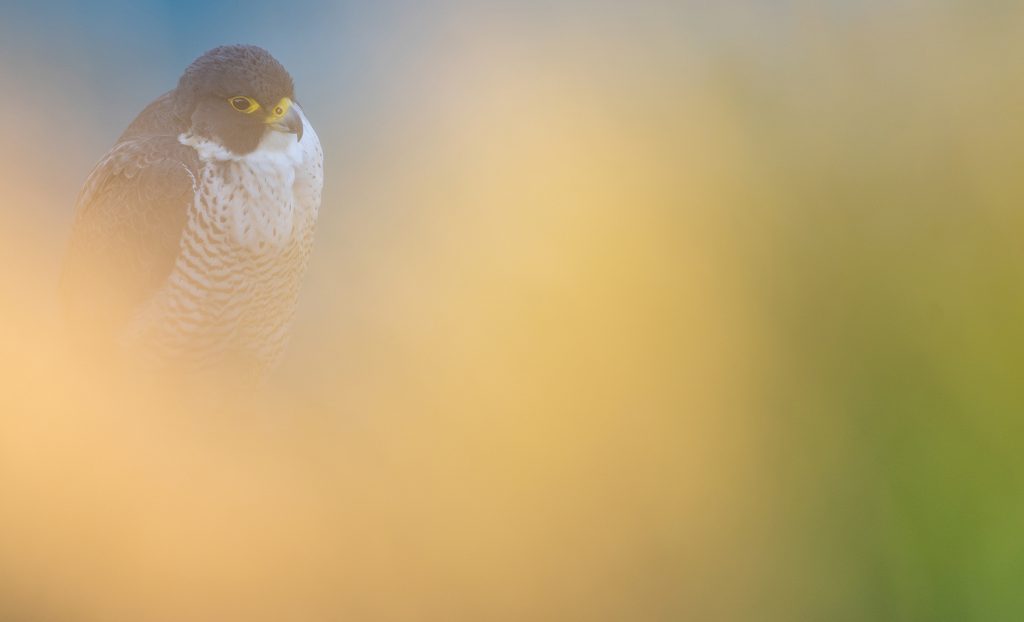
279, 110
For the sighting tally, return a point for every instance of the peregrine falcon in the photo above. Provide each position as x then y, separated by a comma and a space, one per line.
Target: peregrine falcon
192, 234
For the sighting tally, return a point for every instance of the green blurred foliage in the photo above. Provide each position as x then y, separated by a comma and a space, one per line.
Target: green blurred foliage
886, 233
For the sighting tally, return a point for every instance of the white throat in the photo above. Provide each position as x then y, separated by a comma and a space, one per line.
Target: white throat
251, 195
256, 196
273, 145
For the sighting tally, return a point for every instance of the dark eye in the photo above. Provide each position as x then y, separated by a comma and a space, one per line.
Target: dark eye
241, 104
279, 111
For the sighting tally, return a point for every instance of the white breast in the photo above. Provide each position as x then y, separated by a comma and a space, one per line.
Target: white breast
243, 252
264, 194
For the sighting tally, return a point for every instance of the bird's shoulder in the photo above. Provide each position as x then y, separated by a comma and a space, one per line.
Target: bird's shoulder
139, 179
147, 162
131, 211
159, 118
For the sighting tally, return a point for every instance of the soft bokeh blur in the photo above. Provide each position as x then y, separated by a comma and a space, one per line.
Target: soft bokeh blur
618, 311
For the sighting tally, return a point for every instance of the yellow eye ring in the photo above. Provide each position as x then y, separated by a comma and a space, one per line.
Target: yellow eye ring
244, 104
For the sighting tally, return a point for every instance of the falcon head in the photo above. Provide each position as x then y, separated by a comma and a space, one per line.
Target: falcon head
236, 95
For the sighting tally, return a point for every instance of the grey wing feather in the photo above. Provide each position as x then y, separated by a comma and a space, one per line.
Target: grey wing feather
128, 224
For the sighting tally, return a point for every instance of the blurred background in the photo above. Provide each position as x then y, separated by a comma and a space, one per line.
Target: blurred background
618, 311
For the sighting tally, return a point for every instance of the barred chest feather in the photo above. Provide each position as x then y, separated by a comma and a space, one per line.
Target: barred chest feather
231, 295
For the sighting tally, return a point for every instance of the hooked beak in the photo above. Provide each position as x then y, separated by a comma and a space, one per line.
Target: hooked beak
290, 123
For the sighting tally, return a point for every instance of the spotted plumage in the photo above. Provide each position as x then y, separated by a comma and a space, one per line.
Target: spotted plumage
192, 234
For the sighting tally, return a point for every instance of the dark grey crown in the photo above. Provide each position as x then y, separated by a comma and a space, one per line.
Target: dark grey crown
201, 98
231, 70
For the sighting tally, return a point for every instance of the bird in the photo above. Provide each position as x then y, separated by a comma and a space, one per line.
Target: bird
192, 234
